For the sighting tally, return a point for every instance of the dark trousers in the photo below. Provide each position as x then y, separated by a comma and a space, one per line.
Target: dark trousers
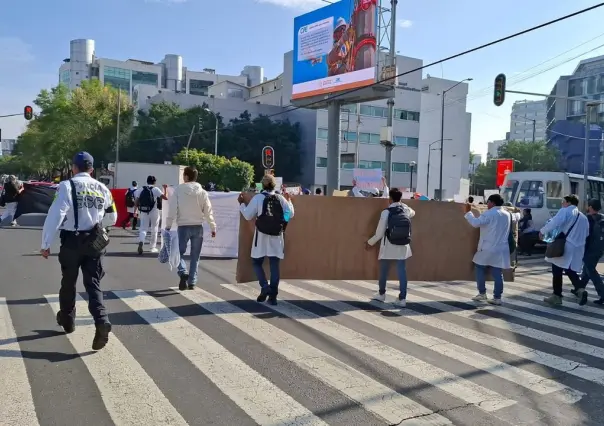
557, 277
273, 288
127, 221
590, 262
72, 260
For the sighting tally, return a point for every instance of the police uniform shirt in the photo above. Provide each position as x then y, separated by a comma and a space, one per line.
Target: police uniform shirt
155, 191
95, 205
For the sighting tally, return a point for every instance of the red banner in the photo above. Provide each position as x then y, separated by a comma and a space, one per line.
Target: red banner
503, 168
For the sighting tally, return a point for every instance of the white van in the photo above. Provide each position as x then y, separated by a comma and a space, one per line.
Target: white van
542, 192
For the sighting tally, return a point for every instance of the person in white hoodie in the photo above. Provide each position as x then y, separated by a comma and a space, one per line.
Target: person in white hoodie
190, 206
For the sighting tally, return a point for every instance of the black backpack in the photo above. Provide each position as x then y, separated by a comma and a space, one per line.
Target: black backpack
130, 198
398, 230
272, 219
146, 201
596, 234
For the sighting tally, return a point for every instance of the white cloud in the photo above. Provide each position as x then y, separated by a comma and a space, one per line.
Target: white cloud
14, 52
297, 4
404, 23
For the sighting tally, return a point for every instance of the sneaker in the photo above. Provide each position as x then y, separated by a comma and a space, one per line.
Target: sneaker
140, 248
67, 324
496, 302
182, 284
553, 300
400, 303
272, 300
154, 250
379, 297
101, 336
582, 294
480, 298
262, 296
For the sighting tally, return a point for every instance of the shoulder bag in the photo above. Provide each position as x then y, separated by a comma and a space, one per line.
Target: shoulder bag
95, 241
556, 247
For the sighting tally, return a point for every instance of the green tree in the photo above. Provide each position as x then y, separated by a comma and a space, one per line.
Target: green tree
72, 121
231, 173
528, 156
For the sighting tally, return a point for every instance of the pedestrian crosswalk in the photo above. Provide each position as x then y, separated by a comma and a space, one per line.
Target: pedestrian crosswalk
325, 355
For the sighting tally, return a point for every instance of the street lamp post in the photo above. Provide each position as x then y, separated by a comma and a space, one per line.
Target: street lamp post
411, 167
442, 135
430, 149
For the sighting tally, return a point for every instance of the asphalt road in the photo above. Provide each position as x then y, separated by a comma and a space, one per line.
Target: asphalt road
323, 356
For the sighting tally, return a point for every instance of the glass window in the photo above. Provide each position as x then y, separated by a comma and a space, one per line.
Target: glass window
400, 140
413, 142
365, 110
377, 165
364, 137
350, 136
352, 108
235, 93
139, 77
400, 167
364, 164
347, 165
117, 77
509, 192
374, 138
553, 197
321, 162
530, 194
322, 133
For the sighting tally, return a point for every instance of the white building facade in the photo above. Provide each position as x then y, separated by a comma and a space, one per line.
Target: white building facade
493, 148
526, 116
455, 139
7, 146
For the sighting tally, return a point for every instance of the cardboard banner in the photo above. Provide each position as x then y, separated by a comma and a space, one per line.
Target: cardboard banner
503, 168
226, 215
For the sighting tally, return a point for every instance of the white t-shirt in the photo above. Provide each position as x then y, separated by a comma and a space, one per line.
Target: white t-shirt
157, 193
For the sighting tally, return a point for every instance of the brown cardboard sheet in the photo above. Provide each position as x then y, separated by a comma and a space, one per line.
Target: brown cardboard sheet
326, 241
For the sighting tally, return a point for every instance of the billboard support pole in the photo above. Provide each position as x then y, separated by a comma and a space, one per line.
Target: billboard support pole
390, 146
333, 147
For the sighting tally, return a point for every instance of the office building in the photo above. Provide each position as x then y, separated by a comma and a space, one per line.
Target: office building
168, 74
528, 120
456, 139
493, 148
475, 162
7, 146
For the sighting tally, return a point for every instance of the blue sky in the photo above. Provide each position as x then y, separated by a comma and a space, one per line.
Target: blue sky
228, 34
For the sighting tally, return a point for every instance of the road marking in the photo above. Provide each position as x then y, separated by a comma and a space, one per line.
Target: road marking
120, 378
373, 396
460, 388
257, 396
516, 375
526, 316
556, 362
16, 401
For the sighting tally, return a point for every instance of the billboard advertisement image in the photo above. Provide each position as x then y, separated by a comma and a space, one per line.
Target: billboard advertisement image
335, 48
503, 168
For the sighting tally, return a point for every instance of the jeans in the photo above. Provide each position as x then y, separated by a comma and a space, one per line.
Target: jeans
193, 233
557, 275
496, 273
401, 271
273, 262
590, 261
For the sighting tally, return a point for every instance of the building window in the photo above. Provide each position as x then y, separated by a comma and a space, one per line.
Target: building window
374, 111
400, 167
401, 114
405, 141
235, 93
139, 77
199, 87
347, 165
352, 109
366, 164
321, 162
349, 136
365, 110
371, 138
321, 133
117, 77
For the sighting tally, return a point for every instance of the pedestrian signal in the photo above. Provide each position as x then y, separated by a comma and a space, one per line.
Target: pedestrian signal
499, 94
28, 112
268, 157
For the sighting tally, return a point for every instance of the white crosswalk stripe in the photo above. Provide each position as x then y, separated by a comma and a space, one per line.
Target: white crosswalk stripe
315, 329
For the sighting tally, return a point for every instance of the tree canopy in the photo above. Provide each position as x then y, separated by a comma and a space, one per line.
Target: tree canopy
528, 156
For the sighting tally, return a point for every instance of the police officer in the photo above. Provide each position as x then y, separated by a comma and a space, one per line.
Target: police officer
94, 206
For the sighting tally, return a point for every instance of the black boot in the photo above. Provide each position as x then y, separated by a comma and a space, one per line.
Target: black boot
182, 284
67, 322
101, 336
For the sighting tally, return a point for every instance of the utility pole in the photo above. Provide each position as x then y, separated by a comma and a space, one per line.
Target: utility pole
117, 136
216, 135
356, 146
389, 145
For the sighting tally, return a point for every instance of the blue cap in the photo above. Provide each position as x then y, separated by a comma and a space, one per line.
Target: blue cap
83, 160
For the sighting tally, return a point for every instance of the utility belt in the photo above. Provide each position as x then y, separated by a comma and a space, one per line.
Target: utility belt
90, 243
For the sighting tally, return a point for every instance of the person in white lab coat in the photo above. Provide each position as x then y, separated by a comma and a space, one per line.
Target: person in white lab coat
266, 245
391, 250
575, 226
493, 246
150, 214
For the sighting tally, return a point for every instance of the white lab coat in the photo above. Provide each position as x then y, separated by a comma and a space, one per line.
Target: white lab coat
493, 248
266, 245
387, 250
575, 241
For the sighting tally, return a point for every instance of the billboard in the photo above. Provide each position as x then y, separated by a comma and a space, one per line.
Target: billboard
335, 48
503, 168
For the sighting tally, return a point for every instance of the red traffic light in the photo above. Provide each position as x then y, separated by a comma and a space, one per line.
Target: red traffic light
28, 112
268, 157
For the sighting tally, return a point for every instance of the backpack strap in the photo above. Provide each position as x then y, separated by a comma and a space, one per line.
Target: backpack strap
74, 199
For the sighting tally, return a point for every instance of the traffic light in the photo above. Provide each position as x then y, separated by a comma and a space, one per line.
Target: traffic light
499, 94
28, 112
268, 157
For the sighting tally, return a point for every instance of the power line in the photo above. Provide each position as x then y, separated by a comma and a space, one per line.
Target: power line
449, 58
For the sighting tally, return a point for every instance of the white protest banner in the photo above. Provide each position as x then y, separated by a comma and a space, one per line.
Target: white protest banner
368, 178
226, 215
